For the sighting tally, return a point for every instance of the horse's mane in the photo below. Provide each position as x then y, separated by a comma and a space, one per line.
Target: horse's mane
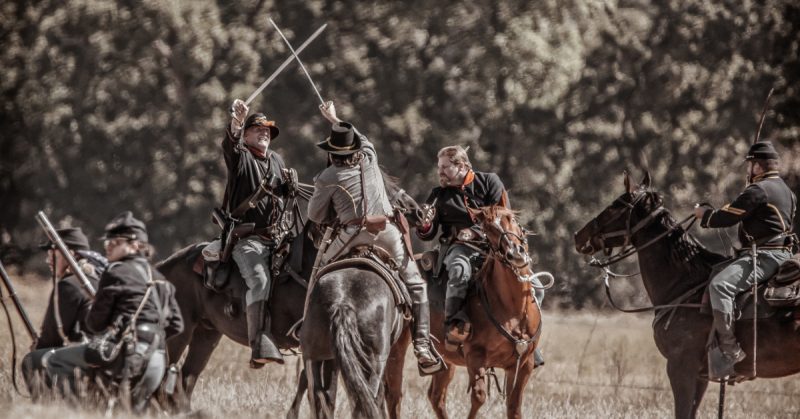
687, 254
390, 183
500, 210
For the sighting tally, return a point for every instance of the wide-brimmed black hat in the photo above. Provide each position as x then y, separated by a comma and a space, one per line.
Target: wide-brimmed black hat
342, 140
125, 225
762, 150
72, 237
259, 119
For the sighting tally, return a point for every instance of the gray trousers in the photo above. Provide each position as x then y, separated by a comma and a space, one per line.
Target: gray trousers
738, 276
458, 262
252, 254
389, 239
66, 365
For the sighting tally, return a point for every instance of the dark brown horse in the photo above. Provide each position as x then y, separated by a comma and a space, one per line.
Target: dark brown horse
506, 323
209, 315
673, 263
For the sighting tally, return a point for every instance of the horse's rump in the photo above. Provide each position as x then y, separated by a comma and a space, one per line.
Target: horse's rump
371, 263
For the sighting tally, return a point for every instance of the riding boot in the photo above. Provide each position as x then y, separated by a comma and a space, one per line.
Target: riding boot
428, 362
457, 326
721, 362
538, 358
260, 337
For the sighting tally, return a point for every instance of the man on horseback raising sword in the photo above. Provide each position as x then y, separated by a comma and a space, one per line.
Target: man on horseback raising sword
764, 212
448, 208
257, 182
338, 198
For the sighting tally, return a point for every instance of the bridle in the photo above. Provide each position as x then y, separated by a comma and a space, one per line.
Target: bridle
628, 249
521, 346
629, 231
500, 252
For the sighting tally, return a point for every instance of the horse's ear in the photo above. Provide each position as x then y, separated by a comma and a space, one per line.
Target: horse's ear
476, 214
646, 181
629, 187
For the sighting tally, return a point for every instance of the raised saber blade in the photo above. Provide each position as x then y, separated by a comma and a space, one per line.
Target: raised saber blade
321, 101
760, 122
285, 63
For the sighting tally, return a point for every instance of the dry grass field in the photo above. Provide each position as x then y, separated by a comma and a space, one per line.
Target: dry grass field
598, 366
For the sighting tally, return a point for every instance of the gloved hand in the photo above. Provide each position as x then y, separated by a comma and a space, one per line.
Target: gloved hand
290, 181
701, 208
238, 113
329, 112
426, 214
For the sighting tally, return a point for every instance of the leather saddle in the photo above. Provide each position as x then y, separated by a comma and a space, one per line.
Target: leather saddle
377, 260
286, 263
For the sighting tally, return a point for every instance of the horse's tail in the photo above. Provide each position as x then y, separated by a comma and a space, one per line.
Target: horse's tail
353, 361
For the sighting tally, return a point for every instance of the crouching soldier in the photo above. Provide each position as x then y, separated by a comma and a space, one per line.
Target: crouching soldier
63, 322
134, 309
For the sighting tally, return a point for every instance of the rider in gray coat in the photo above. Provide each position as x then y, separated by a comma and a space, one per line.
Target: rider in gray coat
338, 199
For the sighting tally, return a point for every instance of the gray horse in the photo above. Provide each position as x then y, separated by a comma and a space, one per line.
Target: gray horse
350, 328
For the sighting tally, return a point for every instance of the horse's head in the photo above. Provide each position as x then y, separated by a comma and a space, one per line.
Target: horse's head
399, 198
507, 239
618, 222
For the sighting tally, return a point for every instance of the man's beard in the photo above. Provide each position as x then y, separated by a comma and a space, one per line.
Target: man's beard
444, 181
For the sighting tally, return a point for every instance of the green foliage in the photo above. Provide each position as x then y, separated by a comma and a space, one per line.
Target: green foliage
114, 106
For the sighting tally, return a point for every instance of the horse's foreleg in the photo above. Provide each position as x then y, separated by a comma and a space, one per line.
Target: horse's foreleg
393, 377
687, 389
437, 391
477, 381
515, 391
202, 345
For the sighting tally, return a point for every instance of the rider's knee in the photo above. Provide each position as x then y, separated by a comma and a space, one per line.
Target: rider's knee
458, 272
721, 287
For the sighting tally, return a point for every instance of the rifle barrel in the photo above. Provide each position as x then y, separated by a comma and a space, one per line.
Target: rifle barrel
17, 304
52, 234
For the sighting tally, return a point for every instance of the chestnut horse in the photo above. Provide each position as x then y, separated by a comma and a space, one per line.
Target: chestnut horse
674, 268
506, 323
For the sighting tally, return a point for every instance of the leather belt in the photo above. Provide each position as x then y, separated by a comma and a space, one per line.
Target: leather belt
360, 220
746, 251
265, 232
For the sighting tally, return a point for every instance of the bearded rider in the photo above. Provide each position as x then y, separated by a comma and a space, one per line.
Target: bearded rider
447, 210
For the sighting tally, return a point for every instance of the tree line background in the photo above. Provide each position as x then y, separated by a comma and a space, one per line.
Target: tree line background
111, 106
